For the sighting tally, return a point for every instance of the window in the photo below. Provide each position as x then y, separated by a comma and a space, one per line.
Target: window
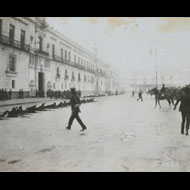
12, 65
65, 55
11, 34
53, 85
69, 56
40, 43
66, 74
22, 38
53, 50
62, 86
73, 75
84, 78
79, 77
61, 54
13, 84
57, 71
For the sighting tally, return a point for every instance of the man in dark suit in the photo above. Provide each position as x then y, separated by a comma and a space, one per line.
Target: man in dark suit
162, 90
184, 109
75, 107
140, 96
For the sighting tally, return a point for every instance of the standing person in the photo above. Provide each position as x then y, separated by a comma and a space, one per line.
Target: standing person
133, 94
10, 94
162, 90
75, 107
184, 109
140, 96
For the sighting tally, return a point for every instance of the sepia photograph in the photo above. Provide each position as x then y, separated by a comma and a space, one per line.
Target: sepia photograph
94, 94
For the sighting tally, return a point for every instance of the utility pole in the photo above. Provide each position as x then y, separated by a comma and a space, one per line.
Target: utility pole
97, 72
156, 68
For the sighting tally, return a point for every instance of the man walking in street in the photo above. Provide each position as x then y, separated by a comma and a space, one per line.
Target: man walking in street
140, 96
75, 107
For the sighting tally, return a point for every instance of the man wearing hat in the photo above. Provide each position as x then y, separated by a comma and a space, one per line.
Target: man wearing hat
184, 108
75, 107
162, 90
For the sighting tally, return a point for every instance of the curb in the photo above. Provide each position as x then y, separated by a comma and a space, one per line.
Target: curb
22, 103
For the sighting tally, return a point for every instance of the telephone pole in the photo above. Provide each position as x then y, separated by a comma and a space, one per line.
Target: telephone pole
156, 68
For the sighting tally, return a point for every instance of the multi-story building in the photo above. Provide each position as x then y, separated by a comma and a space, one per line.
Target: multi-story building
35, 57
15, 35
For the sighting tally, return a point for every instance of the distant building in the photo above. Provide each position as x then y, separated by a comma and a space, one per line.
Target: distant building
146, 83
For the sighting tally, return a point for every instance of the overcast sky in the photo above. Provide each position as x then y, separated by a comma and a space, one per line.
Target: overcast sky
130, 43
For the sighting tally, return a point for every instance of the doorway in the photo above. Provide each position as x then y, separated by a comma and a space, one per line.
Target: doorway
41, 84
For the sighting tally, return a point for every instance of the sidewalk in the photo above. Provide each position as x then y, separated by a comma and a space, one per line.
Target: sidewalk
14, 102
8, 104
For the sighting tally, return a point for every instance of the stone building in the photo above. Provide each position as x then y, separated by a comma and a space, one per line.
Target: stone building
14, 54
36, 58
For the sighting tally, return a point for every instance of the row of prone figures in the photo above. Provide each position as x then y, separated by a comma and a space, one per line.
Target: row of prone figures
19, 111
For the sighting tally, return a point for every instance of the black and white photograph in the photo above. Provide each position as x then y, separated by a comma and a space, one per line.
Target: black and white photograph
94, 94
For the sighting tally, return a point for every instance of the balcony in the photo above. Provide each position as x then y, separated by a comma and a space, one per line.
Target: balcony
11, 73
58, 58
39, 51
73, 64
14, 43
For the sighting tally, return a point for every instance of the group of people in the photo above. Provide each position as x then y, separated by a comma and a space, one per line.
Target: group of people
139, 95
7, 95
162, 90
66, 94
184, 108
4, 95
183, 98
75, 103
75, 109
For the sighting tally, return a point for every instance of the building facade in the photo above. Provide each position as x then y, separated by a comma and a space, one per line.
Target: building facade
145, 83
36, 58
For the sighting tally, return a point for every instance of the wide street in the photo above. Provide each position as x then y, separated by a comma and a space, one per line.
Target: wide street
123, 136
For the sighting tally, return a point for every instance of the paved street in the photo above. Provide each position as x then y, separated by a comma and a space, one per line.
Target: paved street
123, 135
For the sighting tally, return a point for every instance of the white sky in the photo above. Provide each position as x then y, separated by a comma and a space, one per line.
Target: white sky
125, 42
